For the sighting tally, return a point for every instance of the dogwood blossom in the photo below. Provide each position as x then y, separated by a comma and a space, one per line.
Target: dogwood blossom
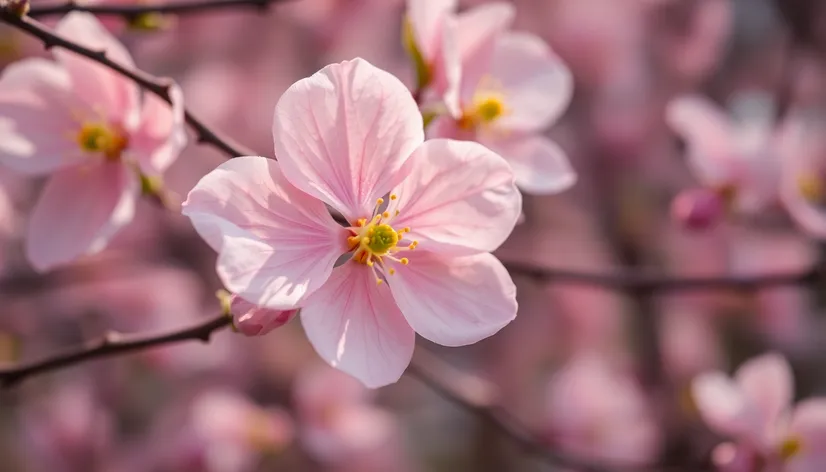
421, 219
754, 410
86, 127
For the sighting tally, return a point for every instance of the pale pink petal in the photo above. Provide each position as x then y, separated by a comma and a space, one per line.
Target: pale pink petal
539, 164
79, 211
162, 133
537, 86
448, 79
766, 382
459, 198
426, 18
253, 320
802, 152
454, 301
112, 94
344, 133
808, 425
709, 136
721, 404
37, 126
276, 243
478, 29
357, 328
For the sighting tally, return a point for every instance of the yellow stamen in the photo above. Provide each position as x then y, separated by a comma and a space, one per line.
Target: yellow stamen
790, 447
374, 242
404, 261
391, 271
380, 201
393, 197
812, 187
102, 138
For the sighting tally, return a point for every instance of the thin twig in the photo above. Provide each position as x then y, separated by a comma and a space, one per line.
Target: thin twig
156, 85
442, 379
630, 280
111, 344
137, 9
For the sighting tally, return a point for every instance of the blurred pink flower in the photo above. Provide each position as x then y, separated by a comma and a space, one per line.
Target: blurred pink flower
595, 411
67, 430
340, 426
234, 432
507, 101
253, 320
739, 160
85, 125
346, 136
803, 186
754, 409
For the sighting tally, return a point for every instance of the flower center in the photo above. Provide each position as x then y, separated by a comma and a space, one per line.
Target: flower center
486, 109
812, 187
96, 137
790, 447
375, 241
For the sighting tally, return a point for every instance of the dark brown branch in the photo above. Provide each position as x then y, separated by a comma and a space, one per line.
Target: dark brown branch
636, 281
132, 11
111, 344
155, 85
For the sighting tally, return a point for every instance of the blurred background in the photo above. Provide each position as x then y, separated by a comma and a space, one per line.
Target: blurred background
596, 372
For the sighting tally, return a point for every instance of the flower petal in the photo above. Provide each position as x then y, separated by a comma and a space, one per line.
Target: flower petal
709, 135
539, 164
721, 403
808, 425
357, 328
162, 133
459, 198
478, 29
96, 84
767, 384
344, 134
426, 18
454, 301
276, 243
253, 320
538, 87
36, 123
79, 211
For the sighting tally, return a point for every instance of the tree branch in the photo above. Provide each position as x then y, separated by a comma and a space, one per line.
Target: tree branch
630, 280
155, 85
131, 11
111, 344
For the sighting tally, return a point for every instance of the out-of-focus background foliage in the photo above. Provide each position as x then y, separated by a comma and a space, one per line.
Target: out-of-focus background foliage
579, 365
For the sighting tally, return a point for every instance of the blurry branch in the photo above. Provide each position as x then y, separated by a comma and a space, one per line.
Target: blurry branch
476, 397
138, 9
156, 85
635, 281
111, 344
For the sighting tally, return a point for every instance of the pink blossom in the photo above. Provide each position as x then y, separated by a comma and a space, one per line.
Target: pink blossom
738, 158
351, 137
253, 320
754, 409
803, 185
85, 126
595, 411
507, 98
340, 426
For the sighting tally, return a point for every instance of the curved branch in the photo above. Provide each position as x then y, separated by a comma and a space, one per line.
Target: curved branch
131, 11
112, 344
641, 282
155, 85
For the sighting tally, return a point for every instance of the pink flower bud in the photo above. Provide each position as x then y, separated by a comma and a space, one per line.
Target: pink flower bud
253, 320
697, 209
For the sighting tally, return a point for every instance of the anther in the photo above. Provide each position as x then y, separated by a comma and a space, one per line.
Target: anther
404, 261
379, 281
392, 271
379, 201
386, 214
393, 196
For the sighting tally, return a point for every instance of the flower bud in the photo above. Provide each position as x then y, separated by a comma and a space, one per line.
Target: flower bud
697, 209
253, 320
